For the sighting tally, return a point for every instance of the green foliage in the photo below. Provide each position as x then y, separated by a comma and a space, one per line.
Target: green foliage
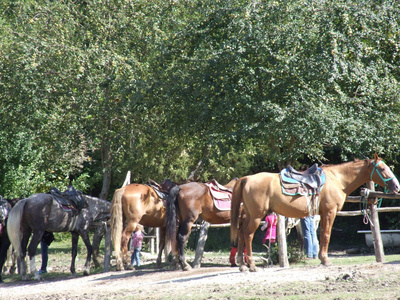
216, 89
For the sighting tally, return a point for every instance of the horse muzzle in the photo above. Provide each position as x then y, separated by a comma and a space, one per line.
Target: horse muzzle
393, 186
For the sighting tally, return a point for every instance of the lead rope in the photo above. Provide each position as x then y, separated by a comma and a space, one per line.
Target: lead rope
364, 210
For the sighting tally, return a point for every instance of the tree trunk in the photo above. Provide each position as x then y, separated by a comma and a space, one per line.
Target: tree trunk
107, 164
106, 184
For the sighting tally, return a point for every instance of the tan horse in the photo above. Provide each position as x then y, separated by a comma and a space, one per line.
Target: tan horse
261, 193
194, 201
132, 205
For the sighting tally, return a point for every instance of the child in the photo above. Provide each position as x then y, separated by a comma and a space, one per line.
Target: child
136, 245
270, 225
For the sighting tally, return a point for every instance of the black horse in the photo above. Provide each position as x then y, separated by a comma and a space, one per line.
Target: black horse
42, 212
5, 208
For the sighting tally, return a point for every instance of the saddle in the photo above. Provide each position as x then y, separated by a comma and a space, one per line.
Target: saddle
71, 199
221, 195
311, 176
161, 189
309, 182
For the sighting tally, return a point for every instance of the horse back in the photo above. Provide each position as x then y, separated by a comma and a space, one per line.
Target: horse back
262, 193
138, 200
42, 212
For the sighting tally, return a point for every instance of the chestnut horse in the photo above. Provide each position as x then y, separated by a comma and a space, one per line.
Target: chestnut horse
262, 192
194, 200
131, 205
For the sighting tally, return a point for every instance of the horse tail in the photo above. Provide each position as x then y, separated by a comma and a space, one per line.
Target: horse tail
14, 226
237, 199
116, 221
171, 220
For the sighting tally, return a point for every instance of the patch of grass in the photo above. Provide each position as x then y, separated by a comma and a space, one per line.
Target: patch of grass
59, 262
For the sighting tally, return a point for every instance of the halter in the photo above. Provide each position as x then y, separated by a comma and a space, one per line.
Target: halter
364, 199
379, 173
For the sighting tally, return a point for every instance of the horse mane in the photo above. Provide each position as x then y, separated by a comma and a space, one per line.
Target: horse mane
356, 160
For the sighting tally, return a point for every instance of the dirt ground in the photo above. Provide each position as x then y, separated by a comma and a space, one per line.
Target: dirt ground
217, 280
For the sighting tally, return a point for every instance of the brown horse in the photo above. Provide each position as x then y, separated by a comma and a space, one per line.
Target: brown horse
261, 193
131, 205
194, 200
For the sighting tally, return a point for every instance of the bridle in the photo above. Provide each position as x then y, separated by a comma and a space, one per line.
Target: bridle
385, 180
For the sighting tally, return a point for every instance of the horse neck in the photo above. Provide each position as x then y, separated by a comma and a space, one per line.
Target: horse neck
231, 183
351, 175
99, 209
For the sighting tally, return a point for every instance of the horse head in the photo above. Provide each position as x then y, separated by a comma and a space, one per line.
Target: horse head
382, 175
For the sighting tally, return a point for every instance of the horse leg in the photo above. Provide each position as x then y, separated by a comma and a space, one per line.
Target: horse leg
5, 244
98, 235
248, 234
161, 246
126, 235
21, 262
327, 219
183, 234
89, 249
11, 255
74, 250
300, 236
241, 246
36, 237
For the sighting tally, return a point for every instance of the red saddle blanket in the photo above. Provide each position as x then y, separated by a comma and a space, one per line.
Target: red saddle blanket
221, 195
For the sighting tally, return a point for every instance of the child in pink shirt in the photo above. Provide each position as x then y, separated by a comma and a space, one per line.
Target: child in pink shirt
136, 245
270, 225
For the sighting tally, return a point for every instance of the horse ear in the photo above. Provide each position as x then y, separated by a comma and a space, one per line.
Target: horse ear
376, 157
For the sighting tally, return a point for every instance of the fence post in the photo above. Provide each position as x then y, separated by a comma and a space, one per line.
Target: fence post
200, 244
282, 246
376, 228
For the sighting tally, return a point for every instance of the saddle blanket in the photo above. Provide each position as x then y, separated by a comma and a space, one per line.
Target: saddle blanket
221, 195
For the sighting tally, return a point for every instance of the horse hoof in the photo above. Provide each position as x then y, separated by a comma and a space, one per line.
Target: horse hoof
326, 264
243, 268
86, 273
118, 268
253, 269
187, 268
129, 267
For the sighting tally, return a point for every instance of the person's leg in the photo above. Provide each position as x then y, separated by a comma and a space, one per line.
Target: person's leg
45, 256
137, 257
306, 226
315, 242
133, 258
